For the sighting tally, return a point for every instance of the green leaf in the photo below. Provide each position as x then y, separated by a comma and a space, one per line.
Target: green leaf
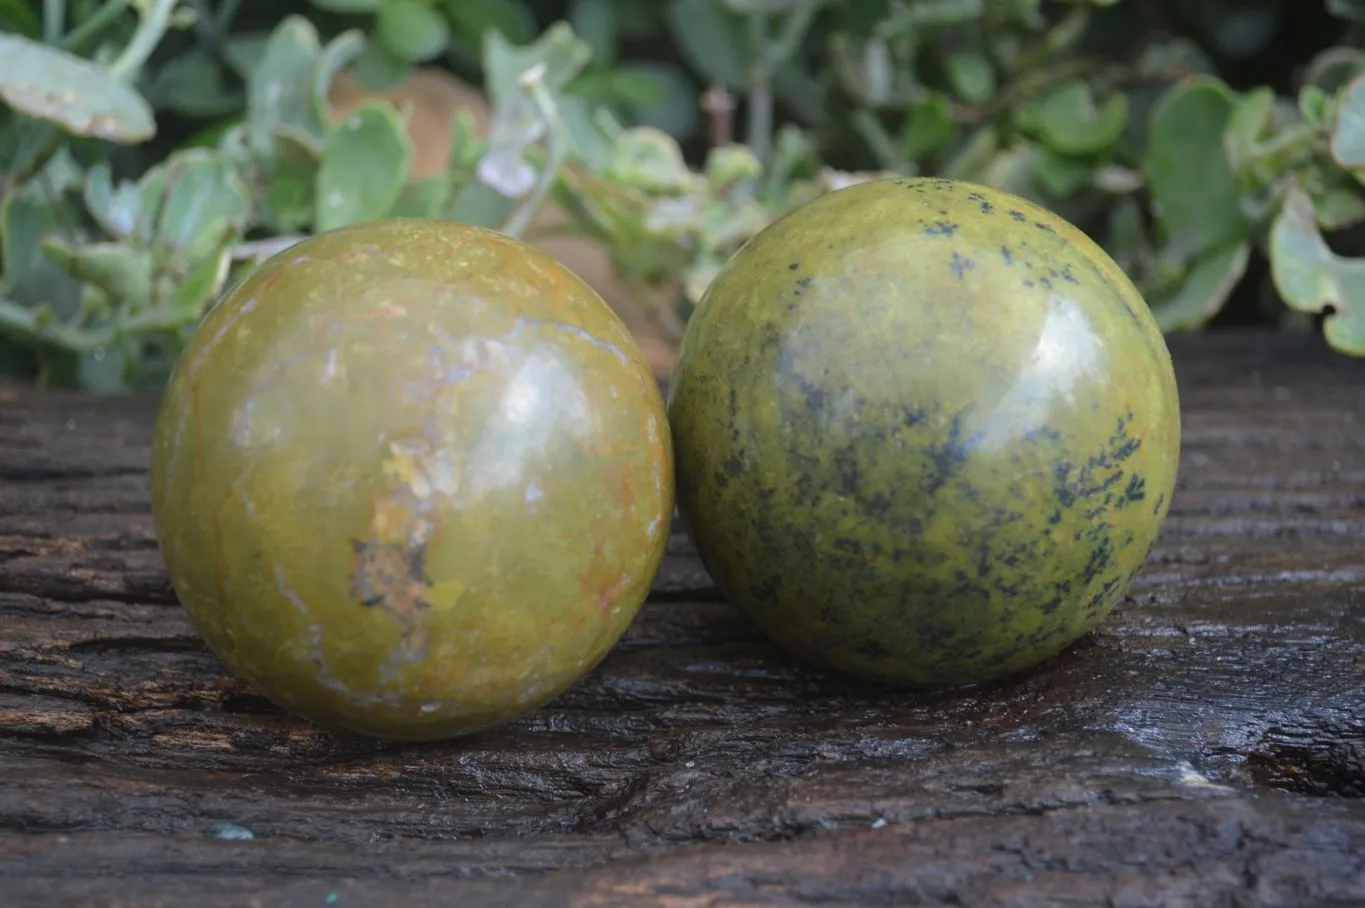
595, 21
151, 195
378, 68
928, 126
82, 98
364, 166
1253, 116
1310, 277
1314, 103
348, 6
1127, 242
1061, 175
651, 160
280, 89
28, 214
192, 84
25, 142
62, 173
582, 123
290, 198
630, 89
120, 270
1338, 207
412, 30
727, 165
1205, 290
1070, 121
794, 153
204, 281
1192, 185
114, 208
129, 210
971, 76
559, 50
339, 52
711, 41
424, 199
479, 204
103, 370
1348, 132
466, 146
472, 22
206, 200
243, 52
659, 95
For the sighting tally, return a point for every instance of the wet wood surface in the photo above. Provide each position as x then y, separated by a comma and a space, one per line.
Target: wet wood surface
1205, 747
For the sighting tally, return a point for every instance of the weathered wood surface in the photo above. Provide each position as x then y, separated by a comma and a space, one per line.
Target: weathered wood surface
1205, 748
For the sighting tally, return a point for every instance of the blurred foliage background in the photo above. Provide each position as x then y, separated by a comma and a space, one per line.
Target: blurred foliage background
153, 150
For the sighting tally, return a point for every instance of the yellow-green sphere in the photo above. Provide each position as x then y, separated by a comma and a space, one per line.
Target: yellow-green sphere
926, 432
412, 478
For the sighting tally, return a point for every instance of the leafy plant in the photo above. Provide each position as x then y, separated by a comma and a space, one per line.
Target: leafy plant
115, 237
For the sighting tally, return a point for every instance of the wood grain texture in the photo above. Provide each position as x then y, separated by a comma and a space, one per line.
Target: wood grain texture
1205, 747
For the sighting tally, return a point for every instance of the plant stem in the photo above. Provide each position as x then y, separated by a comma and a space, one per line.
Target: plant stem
556, 152
1055, 42
1019, 90
102, 18
769, 55
54, 20
760, 120
17, 320
148, 35
719, 108
1295, 144
760, 113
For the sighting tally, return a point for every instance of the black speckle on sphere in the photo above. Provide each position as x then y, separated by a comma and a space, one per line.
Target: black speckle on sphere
951, 459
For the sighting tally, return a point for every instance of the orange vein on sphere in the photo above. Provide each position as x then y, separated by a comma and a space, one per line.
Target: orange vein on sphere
268, 281
387, 309
610, 594
625, 491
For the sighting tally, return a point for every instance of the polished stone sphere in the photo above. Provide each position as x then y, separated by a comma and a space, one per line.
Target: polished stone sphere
926, 432
411, 478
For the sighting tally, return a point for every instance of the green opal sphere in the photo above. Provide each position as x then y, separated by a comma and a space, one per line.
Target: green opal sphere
926, 432
411, 478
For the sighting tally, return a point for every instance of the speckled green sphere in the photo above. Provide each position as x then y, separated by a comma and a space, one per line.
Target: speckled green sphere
412, 478
926, 432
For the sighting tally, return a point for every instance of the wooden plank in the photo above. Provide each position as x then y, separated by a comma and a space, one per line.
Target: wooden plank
1205, 747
